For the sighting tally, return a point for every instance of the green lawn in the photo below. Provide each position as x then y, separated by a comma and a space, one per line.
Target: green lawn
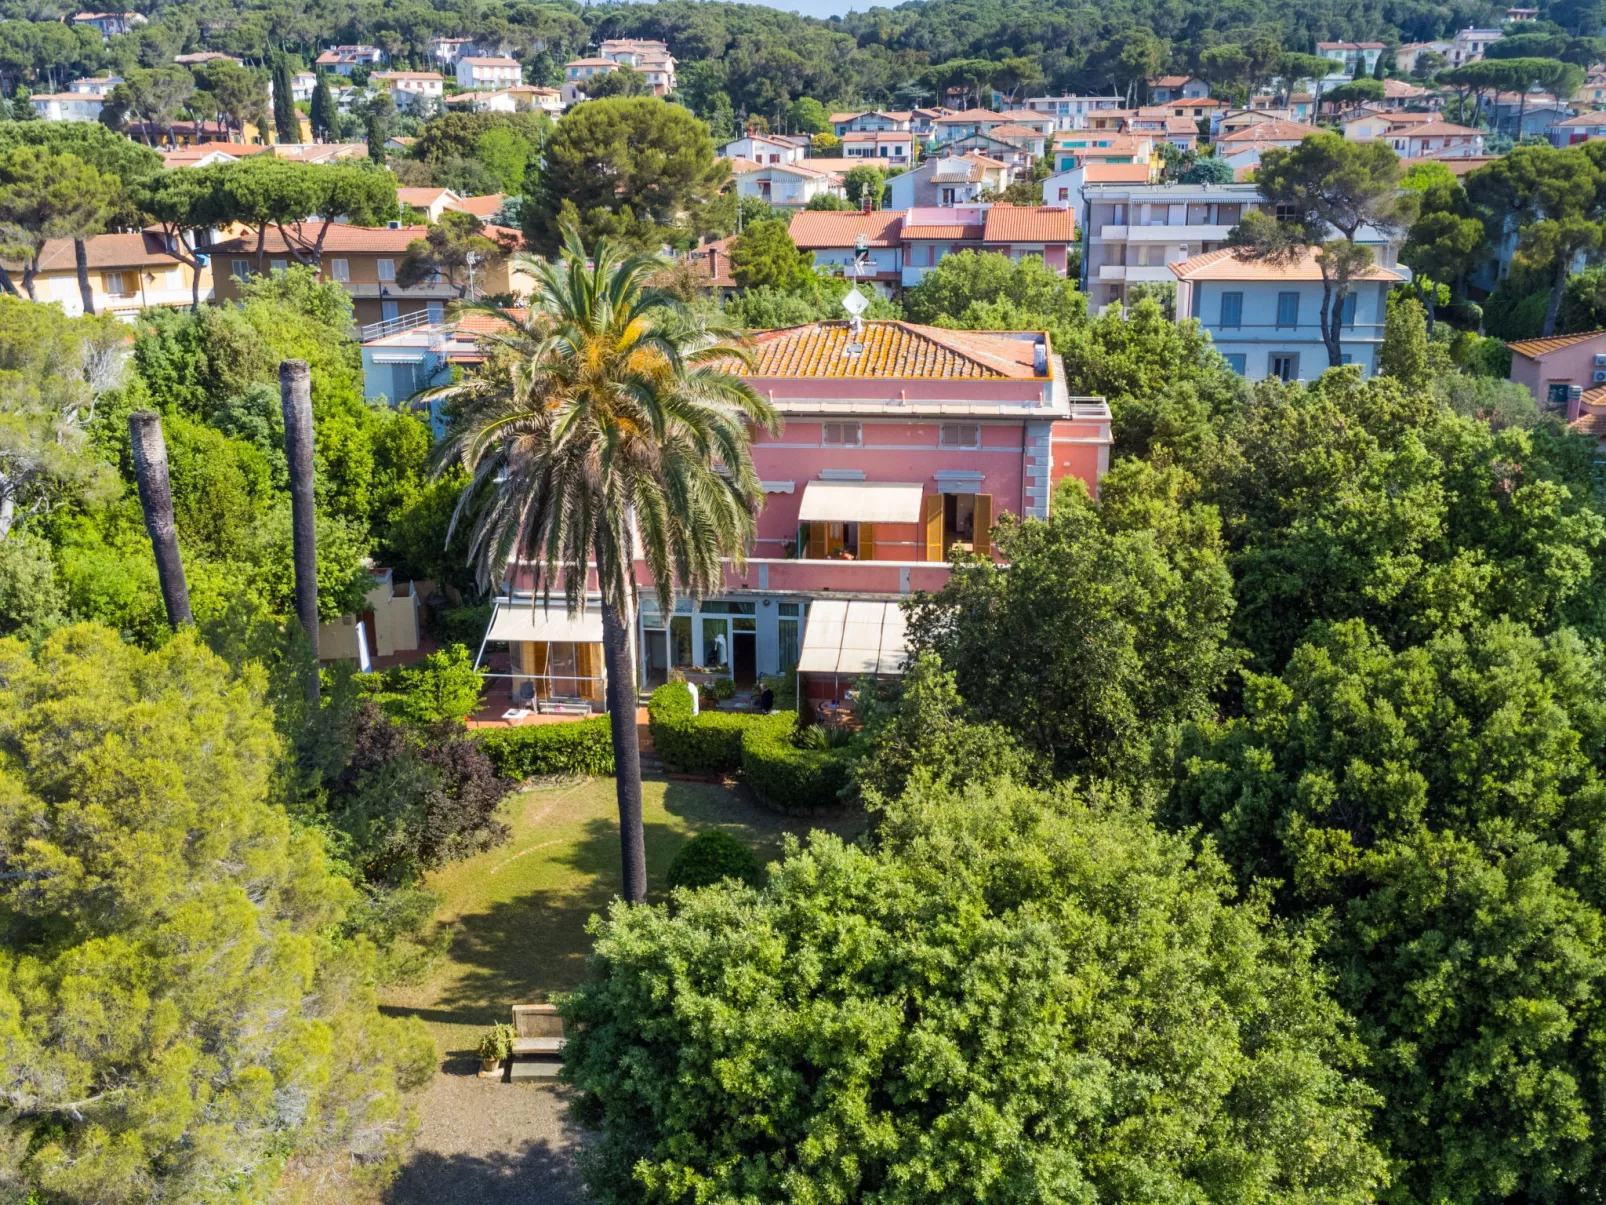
518, 913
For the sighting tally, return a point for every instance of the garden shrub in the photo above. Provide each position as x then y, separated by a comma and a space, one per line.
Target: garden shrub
712, 857
787, 777
708, 743
535, 750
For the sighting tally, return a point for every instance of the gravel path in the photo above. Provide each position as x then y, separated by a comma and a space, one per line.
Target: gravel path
483, 1142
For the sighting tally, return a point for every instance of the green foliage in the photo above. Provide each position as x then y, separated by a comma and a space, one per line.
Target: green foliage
764, 256
794, 780
172, 974
913, 1013
710, 858
584, 747
443, 688
969, 287
1107, 629
31, 601
1441, 809
865, 182
1404, 354
622, 164
707, 743
497, 1042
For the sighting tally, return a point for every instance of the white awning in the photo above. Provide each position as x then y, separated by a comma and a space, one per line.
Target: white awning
860, 502
853, 637
516, 621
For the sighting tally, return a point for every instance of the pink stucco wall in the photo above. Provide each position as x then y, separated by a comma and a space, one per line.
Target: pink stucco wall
1572, 365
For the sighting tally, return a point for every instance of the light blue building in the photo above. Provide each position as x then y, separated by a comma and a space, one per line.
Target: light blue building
1265, 317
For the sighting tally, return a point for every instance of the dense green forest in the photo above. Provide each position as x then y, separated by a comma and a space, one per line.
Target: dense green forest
760, 57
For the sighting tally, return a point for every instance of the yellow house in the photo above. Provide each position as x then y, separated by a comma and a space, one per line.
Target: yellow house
127, 273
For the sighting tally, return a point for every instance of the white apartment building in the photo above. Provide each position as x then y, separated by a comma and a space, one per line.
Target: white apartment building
410, 88
67, 106
1133, 233
474, 71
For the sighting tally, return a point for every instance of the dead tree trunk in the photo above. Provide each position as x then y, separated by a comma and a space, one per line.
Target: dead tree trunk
156, 500
295, 396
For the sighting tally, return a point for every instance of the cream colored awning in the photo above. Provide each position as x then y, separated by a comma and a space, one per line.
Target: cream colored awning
853, 637
516, 621
860, 502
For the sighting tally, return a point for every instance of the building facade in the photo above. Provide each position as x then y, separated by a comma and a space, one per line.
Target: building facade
1265, 318
127, 273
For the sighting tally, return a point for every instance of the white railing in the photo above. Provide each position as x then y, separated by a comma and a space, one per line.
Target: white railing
390, 326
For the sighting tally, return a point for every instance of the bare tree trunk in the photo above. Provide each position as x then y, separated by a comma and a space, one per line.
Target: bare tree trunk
156, 500
80, 251
6, 283
295, 397
1558, 286
617, 622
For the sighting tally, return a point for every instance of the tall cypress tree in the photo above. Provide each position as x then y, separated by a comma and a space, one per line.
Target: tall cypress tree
323, 109
286, 121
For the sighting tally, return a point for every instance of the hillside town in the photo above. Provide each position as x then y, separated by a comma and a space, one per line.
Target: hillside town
638, 603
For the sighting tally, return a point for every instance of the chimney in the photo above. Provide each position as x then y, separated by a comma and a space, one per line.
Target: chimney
713, 263
1575, 402
864, 202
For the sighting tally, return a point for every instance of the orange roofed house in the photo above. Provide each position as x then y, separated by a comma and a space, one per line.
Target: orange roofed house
127, 273
900, 442
1558, 369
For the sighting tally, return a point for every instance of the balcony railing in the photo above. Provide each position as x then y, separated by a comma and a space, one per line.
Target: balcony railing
391, 326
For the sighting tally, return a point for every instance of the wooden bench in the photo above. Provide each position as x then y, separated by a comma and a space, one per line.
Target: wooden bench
538, 1030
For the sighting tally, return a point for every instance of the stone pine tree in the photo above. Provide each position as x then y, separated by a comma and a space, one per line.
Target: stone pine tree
286, 121
156, 500
295, 396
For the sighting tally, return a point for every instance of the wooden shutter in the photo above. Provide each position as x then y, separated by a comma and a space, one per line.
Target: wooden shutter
817, 534
984, 525
934, 527
867, 541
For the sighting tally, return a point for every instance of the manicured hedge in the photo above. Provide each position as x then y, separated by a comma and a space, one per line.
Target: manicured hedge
708, 743
786, 777
536, 750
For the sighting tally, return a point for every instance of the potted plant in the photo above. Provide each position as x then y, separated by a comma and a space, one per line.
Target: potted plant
495, 1046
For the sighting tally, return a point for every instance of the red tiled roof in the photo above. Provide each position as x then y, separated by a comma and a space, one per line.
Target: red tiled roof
1029, 224
1117, 173
1275, 130
1534, 348
826, 228
957, 231
1225, 264
376, 240
969, 117
897, 350
113, 251
480, 207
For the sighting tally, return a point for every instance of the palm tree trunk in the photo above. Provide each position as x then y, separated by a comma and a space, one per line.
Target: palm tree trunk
295, 398
156, 500
80, 251
617, 621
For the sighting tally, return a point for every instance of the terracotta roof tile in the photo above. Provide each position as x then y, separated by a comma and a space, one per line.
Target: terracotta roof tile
358, 239
958, 231
1225, 264
145, 249
896, 350
1275, 130
1029, 224
1533, 348
824, 228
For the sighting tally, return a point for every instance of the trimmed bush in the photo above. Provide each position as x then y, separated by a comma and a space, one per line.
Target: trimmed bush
711, 857
708, 743
786, 777
536, 750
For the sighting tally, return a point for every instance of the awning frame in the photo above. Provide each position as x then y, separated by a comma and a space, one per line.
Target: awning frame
861, 502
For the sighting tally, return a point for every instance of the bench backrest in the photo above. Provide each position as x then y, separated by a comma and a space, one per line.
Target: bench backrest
537, 1021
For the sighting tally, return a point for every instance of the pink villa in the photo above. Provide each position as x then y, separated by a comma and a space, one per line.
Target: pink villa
1557, 369
900, 441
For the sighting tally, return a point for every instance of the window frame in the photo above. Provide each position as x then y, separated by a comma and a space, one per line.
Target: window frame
340, 271
857, 441
1288, 295
1292, 373
942, 436
240, 269
1237, 320
387, 271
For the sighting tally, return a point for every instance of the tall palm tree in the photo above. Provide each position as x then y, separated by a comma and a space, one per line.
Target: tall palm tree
608, 425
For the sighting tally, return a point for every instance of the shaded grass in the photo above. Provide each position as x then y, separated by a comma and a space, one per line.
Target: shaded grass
517, 914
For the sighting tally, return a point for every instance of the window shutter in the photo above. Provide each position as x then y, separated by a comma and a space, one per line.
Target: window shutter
984, 525
934, 527
867, 541
817, 533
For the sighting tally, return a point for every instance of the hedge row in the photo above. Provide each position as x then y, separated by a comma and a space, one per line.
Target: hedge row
720, 742
786, 777
584, 747
707, 743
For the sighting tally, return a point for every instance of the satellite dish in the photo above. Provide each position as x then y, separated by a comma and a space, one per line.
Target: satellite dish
855, 302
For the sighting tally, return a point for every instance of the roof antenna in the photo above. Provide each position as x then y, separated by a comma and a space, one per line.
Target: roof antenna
855, 303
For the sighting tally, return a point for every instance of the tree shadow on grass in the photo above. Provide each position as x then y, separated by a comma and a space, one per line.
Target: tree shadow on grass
536, 1173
